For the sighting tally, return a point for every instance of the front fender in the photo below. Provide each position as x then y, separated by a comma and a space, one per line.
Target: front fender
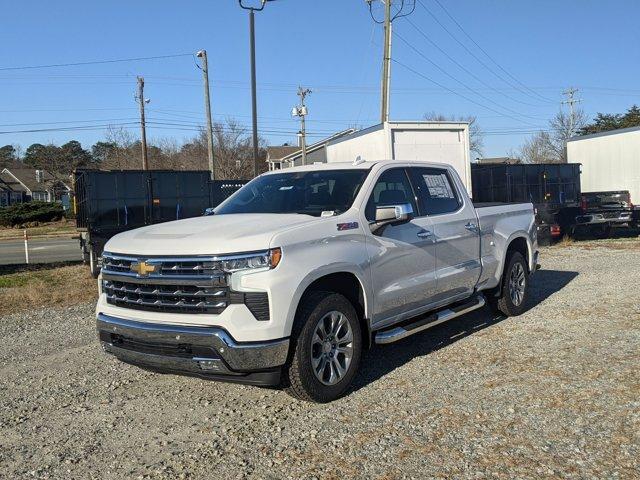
336, 267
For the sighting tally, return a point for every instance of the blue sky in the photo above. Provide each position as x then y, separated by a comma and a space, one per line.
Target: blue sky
330, 46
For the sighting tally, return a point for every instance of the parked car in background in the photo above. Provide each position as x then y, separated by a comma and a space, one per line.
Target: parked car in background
602, 211
299, 271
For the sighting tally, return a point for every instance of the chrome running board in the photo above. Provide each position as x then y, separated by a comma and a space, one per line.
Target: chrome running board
394, 334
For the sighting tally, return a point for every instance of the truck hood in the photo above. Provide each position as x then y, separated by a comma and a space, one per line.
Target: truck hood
211, 235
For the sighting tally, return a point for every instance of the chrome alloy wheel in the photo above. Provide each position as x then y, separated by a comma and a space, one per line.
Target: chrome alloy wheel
332, 348
517, 284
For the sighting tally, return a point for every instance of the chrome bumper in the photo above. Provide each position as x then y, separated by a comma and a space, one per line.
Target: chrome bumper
202, 351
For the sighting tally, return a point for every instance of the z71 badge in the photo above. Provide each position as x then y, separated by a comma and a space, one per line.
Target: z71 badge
347, 226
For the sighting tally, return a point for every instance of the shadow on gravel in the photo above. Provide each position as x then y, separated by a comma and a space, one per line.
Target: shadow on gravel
383, 359
33, 267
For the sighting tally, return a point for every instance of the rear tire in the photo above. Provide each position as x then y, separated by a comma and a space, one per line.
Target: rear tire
326, 346
515, 287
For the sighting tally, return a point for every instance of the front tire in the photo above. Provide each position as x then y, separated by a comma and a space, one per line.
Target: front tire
515, 287
93, 263
326, 348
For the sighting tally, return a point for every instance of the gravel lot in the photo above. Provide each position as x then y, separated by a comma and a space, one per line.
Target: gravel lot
555, 392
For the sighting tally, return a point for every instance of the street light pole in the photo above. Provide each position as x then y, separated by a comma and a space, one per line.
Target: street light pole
254, 107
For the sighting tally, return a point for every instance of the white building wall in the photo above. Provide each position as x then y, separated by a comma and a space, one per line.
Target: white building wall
370, 144
609, 162
441, 142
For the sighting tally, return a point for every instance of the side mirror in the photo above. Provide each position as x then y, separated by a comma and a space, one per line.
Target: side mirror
392, 215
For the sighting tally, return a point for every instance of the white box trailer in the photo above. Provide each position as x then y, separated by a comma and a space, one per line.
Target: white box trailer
610, 161
442, 142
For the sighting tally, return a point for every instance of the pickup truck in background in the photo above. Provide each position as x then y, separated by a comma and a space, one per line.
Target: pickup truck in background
299, 271
602, 211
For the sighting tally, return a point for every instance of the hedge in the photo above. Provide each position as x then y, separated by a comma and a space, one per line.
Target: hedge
20, 213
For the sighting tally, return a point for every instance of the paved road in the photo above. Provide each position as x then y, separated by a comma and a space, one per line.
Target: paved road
41, 250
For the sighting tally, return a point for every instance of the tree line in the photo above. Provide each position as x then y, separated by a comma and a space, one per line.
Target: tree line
121, 150
233, 153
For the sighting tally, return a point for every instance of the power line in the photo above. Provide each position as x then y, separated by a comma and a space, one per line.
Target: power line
95, 62
486, 54
477, 58
462, 67
455, 93
464, 84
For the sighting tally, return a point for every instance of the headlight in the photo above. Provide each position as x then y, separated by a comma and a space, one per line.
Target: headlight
268, 259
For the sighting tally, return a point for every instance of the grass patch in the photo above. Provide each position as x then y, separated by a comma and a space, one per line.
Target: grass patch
52, 229
53, 285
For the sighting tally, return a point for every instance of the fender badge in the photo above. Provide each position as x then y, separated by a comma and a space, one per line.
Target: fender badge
347, 226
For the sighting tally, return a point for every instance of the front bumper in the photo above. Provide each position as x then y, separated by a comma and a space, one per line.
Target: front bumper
206, 352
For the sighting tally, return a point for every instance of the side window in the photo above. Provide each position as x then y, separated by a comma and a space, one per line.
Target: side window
436, 191
392, 188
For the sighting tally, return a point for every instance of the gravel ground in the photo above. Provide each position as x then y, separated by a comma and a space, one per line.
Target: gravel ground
555, 392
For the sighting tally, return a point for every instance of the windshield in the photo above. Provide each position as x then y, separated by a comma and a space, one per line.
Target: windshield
326, 192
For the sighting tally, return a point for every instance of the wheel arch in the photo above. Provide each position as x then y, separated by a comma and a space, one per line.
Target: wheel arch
346, 282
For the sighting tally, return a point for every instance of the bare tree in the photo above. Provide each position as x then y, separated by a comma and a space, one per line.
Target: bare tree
476, 136
564, 126
550, 146
233, 153
538, 149
121, 155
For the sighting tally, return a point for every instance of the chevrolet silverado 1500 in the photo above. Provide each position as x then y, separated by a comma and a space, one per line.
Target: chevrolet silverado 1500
300, 270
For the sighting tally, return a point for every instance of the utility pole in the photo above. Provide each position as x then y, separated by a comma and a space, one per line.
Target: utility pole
389, 17
143, 134
386, 63
570, 92
254, 101
207, 104
254, 108
301, 111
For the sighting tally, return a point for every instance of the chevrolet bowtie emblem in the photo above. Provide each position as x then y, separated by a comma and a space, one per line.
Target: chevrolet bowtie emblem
143, 268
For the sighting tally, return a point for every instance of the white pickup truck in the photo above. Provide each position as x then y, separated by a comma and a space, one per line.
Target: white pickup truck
300, 270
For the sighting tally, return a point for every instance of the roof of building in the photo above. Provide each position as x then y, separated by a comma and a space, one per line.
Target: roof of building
27, 177
11, 182
315, 146
276, 153
4, 186
604, 134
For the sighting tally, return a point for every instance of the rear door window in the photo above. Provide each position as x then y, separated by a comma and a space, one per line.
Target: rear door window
436, 191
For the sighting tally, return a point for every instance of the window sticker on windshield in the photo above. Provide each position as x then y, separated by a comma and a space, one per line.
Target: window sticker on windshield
288, 187
327, 213
438, 186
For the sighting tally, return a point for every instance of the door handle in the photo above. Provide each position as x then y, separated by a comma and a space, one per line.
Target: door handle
472, 227
424, 234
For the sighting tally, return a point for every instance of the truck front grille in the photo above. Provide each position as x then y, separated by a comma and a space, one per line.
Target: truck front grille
166, 298
174, 285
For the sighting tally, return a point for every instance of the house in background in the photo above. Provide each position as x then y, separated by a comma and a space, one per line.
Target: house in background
35, 185
11, 191
5, 194
276, 154
316, 153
